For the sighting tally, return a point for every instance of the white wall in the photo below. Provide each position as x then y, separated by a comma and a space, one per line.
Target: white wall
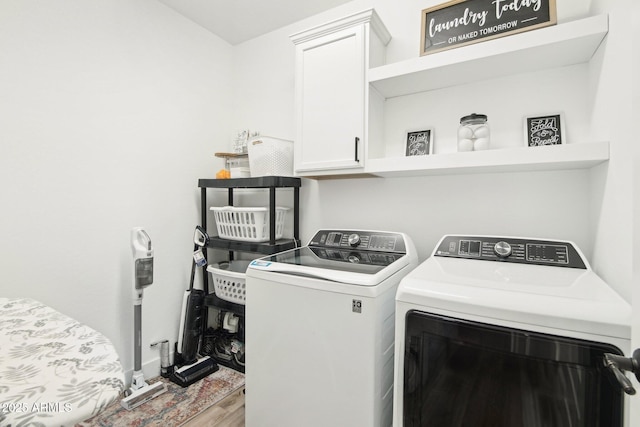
110, 111
611, 118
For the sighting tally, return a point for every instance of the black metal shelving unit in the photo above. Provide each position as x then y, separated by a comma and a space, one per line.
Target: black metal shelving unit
272, 183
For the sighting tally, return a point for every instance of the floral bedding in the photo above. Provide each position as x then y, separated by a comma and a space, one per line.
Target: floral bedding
54, 371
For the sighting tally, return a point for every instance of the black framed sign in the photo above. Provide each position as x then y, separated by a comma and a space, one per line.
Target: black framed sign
544, 130
419, 142
461, 22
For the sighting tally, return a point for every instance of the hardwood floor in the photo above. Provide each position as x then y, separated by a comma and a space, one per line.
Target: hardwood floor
229, 412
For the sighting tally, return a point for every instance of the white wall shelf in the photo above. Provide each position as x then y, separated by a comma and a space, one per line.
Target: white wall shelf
556, 46
519, 159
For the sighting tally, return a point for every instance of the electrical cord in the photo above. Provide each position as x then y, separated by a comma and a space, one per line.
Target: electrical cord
235, 356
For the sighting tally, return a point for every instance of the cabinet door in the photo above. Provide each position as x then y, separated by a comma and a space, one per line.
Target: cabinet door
330, 80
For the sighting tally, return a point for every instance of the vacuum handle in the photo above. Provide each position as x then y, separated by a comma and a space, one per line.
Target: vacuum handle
200, 237
144, 233
141, 243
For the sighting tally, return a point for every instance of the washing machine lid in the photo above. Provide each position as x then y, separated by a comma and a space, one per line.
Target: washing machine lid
356, 257
538, 287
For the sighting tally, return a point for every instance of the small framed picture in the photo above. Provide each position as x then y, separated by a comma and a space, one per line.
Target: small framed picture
544, 130
419, 142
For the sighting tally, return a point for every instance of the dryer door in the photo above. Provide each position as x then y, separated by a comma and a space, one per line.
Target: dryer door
462, 373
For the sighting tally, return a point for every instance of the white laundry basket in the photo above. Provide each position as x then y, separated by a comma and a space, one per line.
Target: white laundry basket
229, 280
247, 224
270, 156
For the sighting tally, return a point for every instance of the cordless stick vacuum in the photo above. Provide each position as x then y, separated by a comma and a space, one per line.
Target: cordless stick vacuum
140, 392
189, 368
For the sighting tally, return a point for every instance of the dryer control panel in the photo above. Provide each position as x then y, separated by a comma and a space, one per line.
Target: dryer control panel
511, 249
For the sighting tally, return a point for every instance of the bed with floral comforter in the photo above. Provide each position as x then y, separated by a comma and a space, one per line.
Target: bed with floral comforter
54, 371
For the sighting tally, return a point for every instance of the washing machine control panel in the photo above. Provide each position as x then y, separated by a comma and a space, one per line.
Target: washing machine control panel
379, 241
511, 249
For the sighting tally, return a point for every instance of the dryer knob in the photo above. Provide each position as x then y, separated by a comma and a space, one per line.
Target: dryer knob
354, 239
502, 249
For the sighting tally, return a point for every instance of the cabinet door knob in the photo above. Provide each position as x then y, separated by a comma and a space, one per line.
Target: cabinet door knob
356, 144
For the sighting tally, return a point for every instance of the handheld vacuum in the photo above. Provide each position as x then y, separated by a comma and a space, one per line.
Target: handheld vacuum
140, 391
188, 367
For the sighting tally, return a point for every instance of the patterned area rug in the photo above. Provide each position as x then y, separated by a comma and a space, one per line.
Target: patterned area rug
174, 407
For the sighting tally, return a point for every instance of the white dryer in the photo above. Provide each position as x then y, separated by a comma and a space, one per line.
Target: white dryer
319, 330
503, 331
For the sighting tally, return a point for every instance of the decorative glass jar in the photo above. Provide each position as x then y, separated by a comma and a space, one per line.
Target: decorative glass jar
473, 133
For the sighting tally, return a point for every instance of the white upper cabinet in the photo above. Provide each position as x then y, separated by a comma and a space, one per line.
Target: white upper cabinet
332, 64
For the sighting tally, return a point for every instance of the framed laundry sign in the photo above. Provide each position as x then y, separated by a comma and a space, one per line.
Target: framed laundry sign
462, 22
419, 142
544, 130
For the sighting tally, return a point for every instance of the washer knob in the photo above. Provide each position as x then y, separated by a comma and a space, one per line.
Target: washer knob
502, 249
354, 239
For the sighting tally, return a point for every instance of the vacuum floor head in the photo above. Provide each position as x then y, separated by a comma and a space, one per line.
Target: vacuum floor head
188, 374
142, 395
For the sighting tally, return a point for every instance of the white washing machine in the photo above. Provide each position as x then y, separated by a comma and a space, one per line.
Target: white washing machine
502, 331
319, 330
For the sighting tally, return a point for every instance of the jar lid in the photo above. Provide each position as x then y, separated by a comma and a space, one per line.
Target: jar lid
474, 117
